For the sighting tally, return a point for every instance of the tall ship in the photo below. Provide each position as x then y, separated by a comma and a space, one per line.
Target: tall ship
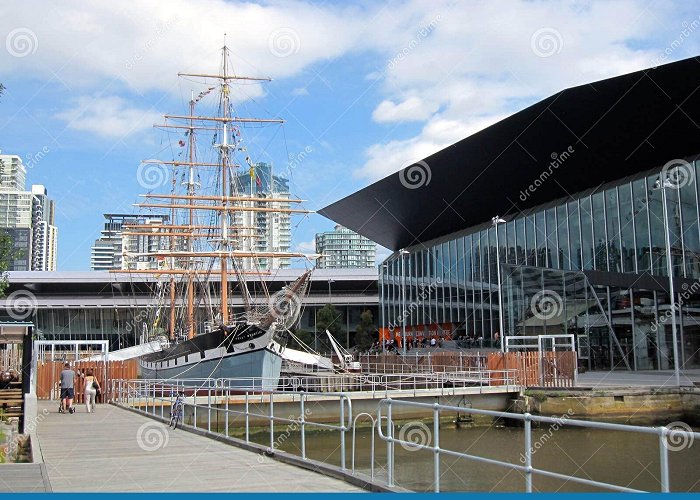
208, 245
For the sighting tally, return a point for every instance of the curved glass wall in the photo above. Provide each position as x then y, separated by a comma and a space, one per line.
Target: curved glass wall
619, 230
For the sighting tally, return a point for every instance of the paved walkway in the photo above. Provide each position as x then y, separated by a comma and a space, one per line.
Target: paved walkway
24, 478
640, 379
118, 450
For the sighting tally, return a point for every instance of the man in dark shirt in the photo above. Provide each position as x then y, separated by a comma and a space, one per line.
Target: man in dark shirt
67, 389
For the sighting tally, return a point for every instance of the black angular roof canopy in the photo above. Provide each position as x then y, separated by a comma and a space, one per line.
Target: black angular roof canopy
615, 127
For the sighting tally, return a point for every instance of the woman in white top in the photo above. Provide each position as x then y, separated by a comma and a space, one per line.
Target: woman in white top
91, 388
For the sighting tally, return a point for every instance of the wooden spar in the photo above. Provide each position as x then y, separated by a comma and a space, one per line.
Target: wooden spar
181, 271
228, 77
184, 127
191, 235
290, 292
181, 163
232, 119
223, 152
226, 208
231, 254
190, 191
217, 198
181, 226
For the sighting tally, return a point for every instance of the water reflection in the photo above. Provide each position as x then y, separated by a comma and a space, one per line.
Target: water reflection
626, 459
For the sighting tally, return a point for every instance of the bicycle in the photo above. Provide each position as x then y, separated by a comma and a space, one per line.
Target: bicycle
177, 410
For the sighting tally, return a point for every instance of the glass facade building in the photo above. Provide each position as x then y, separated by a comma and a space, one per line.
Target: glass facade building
598, 259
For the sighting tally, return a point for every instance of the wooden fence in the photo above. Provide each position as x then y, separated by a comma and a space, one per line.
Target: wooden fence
534, 369
440, 361
48, 376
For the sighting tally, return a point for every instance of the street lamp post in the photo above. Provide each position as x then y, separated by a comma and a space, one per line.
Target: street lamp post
403, 301
330, 280
496, 221
662, 185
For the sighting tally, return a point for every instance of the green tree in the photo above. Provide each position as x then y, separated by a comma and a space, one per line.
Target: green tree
363, 331
305, 337
7, 254
329, 318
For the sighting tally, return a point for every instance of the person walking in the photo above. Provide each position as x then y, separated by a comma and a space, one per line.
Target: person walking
92, 387
67, 380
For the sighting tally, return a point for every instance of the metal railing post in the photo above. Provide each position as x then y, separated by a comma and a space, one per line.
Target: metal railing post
436, 448
272, 423
342, 432
227, 396
247, 420
209, 407
663, 462
389, 446
194, 404
528, 453
303, 427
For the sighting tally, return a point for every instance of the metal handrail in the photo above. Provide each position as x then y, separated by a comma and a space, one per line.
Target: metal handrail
663, 434
148, 392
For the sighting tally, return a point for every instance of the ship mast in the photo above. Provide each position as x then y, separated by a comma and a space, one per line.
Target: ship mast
190, 222
231, 203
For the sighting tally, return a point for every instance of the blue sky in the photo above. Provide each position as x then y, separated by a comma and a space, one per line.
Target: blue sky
366, 87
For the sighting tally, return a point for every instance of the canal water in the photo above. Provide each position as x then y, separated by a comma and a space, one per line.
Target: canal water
622, 458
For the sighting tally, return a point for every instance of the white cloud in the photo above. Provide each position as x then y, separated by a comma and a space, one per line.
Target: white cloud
109, 117
306, 246
382, 255
479, 65
410, 109
300, 91
142, 45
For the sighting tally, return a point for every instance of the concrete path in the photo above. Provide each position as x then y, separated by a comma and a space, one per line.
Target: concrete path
117, 450
24, 478
664, 378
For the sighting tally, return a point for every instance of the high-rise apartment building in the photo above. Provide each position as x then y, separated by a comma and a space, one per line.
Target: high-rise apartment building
343, 248
116, 250
28, 217
264, 231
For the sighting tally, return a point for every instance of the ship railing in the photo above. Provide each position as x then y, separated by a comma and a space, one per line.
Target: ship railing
384, 383
217, 404
668, 439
